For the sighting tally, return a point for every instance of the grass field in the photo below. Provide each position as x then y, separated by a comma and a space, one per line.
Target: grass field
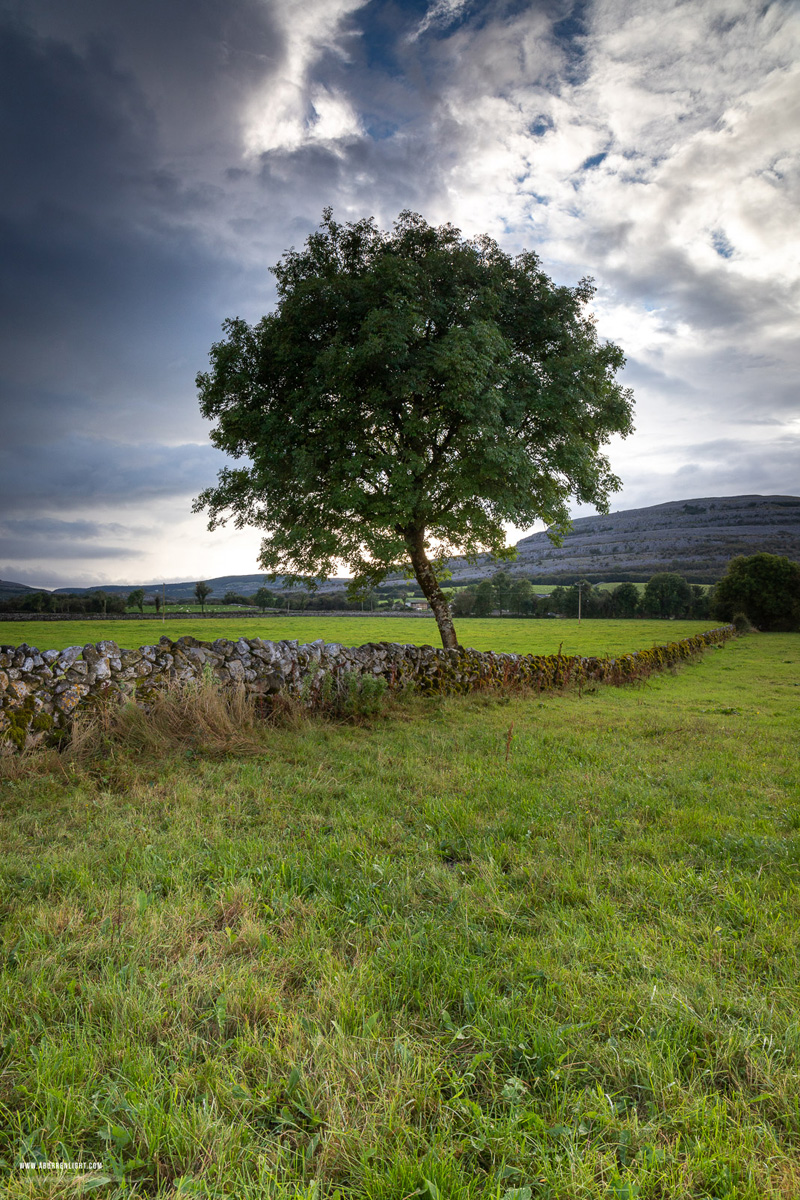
478, 948
516, 636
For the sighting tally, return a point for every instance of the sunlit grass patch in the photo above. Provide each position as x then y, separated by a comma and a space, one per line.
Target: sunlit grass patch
517, 636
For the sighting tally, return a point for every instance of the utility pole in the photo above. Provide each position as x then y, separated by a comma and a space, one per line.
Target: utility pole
580, 594
163, 602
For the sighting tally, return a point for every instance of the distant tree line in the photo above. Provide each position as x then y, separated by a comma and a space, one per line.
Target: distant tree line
338, 601
764, 588
665, 595
263, 599
64, 602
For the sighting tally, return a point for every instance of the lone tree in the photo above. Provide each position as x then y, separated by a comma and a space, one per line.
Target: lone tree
412, 391
136, 599
202, 591
765, 587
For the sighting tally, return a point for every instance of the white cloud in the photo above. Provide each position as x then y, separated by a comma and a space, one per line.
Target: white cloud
440, 13
686, 210
292, 110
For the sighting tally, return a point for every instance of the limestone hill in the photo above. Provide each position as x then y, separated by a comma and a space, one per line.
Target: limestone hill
696, 538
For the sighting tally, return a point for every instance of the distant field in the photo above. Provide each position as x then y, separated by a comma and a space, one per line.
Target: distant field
514, 636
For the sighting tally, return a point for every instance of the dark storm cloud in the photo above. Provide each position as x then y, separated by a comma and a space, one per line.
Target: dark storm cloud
39, 546
25, 527
97, 474
111, 264
192, 59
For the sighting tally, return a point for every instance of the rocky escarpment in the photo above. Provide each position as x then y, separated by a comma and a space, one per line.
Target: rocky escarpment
697, 538
693, 537
40, 692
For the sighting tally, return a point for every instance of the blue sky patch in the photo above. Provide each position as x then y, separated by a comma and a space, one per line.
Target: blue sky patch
721, 244
593, 160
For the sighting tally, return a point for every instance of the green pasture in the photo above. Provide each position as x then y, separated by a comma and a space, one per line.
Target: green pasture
508, 634
479, 948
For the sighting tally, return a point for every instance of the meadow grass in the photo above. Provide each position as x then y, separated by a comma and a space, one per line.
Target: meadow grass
480, 947
514, 636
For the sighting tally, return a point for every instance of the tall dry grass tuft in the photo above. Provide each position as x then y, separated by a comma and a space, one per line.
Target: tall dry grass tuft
29, 762
197, 715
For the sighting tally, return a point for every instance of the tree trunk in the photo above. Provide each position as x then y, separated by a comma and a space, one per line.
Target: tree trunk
423, 571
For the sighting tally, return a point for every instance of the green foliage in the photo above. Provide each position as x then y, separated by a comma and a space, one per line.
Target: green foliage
136, 599
667, 595
363, 695
522, 597
625, 600
502, 583
700, 603
463, 604
412, 391
236, 598
765, 587
591, 600
485, 598
557, 601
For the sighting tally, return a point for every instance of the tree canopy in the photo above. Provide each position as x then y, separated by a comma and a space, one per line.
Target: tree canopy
765, 587
136, 599
412, 391
667, 595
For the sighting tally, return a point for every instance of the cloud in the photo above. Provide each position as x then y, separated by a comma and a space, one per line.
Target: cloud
21, 550
765, 466
159, 158
294, 109
441, 13
83, 473
53, 527
36, 539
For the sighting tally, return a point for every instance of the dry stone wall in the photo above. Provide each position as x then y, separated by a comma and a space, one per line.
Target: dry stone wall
40, 692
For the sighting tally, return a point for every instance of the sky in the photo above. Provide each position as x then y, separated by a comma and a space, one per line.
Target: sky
160, 155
